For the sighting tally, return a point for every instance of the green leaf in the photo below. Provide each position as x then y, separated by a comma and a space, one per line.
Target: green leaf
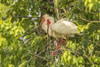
99, 15
90, 6
80, 60
11, 65
69, 58
0, 6
86, 2
23, 64
91, 48
57, 3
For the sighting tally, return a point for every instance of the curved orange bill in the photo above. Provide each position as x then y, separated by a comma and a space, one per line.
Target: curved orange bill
43, 19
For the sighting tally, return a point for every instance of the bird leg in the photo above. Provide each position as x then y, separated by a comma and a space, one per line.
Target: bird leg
58, 45
66, 41
54, 52
61, 43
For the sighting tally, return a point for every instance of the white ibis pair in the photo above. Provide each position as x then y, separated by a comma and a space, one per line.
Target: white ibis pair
60, 29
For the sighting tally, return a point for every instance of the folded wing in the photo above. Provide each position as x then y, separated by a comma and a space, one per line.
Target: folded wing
64, 27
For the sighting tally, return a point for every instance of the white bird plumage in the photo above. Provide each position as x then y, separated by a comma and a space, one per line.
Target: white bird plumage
65, 27
61, 29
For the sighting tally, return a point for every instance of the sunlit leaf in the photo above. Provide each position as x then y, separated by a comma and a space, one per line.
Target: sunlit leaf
90, 6
11, 65
57, 3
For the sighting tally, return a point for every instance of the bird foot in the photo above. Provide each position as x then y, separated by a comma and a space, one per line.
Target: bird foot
54, 53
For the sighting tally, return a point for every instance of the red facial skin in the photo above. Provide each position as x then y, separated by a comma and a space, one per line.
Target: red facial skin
48, 23
43, 19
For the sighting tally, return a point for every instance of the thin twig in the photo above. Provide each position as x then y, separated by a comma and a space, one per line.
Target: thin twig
87, 20
39, 56
85, 11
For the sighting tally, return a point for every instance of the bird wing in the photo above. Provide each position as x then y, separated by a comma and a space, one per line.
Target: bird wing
64, 27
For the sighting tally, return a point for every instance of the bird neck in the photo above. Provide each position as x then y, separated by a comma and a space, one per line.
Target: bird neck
44, 26
51, 24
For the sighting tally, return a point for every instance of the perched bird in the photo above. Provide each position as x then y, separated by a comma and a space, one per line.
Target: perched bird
61, 29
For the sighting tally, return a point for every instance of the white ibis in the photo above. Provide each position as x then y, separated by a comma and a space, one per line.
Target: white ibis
61, 29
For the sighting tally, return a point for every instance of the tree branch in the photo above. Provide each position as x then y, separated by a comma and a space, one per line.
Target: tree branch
85, 11
87, 20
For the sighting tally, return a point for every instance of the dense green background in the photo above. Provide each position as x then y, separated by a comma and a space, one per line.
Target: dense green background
24, 44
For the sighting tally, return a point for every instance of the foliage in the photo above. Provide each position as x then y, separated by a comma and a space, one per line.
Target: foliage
24, 44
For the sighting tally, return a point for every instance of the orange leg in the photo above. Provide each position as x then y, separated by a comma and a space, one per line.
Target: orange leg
61, 43
66, 41
58, 45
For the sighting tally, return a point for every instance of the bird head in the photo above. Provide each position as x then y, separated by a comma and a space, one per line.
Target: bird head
44, 18
50, 20
47, 20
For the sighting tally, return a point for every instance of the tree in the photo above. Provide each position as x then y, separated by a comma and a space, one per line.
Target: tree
24, 44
